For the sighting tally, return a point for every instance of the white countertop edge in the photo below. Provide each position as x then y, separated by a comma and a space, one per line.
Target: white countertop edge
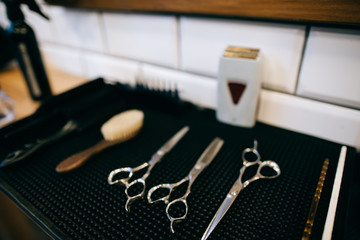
330, 218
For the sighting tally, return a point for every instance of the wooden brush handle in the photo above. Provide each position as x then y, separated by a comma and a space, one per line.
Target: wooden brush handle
80, 158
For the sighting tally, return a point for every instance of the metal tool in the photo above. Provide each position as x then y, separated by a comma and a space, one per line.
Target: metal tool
117, 175
31, 147
78, 119
205, 159
240, 185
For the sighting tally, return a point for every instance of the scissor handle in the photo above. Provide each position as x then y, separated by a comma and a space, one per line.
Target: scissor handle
174, 219
131, 198
125, 181
127, 170
253, 150
169, 186
165, 198
271, 164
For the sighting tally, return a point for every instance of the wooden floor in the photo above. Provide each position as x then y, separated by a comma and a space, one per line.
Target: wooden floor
14, 85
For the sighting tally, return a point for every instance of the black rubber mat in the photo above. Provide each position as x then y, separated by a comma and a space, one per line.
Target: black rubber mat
82, 205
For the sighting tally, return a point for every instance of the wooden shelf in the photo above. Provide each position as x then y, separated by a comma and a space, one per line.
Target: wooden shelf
13, 83
325, 11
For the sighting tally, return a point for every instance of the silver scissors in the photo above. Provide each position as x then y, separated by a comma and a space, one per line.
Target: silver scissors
205, 159
240, 185
128, 171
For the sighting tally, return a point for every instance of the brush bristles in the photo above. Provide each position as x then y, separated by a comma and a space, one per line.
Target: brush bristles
123, 126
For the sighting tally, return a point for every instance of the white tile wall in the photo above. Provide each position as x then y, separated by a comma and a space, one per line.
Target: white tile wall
331, 67
78, 28
203, 41
310, 117
148, 38
124, 47
44, 29
197, 89
4, 23
64, 58
111, 68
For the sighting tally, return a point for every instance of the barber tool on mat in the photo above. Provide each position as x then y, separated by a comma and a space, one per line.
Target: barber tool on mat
117, 129
315, 201
239, 185
116, 176
205, 159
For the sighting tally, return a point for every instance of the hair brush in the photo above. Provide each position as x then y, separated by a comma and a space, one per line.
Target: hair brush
117, 129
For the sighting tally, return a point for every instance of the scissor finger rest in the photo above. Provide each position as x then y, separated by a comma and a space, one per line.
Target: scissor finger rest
173, 218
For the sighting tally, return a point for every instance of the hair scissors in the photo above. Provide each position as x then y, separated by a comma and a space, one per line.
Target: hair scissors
205, 159
128, 171
240, 185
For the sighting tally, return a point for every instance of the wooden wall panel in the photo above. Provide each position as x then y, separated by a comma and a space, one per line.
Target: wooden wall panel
328, 11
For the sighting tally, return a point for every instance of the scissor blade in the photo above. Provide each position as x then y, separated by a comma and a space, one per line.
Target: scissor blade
174, 140
210, 152
219, 215
206, 158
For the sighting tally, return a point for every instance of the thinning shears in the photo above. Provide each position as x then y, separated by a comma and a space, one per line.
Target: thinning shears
123, 175
205, 159
240, 185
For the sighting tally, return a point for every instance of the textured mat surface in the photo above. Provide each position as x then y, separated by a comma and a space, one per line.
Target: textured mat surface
82, 205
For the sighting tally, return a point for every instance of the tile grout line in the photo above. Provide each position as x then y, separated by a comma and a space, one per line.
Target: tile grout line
102, 29
178, 43
307, 32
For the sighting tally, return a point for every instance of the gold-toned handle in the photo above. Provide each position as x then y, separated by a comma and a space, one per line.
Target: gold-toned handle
315, 201
80, 158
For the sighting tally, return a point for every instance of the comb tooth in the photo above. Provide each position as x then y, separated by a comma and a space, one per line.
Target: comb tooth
159, 86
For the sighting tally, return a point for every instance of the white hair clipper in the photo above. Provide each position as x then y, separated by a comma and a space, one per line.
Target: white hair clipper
239, 86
